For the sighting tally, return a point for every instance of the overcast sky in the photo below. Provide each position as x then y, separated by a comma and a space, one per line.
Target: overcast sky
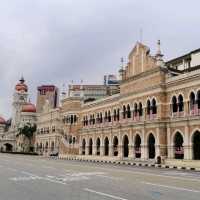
55, 41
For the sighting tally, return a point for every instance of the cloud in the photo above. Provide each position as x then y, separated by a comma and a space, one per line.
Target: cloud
54, 42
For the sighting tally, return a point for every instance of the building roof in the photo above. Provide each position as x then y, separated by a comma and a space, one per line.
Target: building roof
183, 56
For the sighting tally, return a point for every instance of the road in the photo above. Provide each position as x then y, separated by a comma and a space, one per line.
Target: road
37, 178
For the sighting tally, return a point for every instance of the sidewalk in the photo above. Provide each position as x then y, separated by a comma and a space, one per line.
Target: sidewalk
169, 164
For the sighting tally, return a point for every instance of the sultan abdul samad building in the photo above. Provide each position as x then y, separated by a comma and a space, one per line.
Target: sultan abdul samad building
154, 111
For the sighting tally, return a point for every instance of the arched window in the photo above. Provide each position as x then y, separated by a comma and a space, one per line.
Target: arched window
86, 120
192, 100
106, 147
180, 103
115, 146
148, 107
125, 146
90, 120
118, 114
135, 109
196, 145
151, 146
83, 147
198, 99
97, 119
115, 115
75, 118
101, 118
154, 107
137, 146
140, 109
93, 119
128, 111
124, 112
174, 104
109, 116
46, 146
178, 145
98, 146
106, 117
52, 146
90, 146
72, 119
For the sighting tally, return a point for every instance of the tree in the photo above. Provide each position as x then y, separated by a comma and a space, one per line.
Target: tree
27, 131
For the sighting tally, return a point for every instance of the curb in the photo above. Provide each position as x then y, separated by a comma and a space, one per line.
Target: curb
128, 163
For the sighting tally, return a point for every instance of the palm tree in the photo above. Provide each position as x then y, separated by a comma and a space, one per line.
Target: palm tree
27, 131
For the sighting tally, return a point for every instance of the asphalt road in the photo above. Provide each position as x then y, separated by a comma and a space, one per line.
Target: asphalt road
36, 178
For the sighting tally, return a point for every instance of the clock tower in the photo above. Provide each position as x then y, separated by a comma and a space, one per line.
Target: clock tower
19, 99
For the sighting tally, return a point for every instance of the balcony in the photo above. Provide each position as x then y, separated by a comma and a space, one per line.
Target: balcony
151, 116
178, 114
194, 111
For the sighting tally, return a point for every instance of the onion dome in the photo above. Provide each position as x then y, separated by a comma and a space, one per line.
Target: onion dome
29, 107
2, 120
21, 86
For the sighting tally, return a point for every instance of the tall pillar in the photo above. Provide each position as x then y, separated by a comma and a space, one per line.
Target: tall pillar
169, 145
157, 145
120, 151
143, 146
80, 150
94, 150
101, 150
111, 150
186, 143
130, 155
86, 150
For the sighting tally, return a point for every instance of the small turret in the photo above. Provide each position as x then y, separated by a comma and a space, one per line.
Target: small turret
159, 56
122, 70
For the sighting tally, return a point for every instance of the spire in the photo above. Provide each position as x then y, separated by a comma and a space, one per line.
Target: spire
122, 62
159, 56
122, 71
63, 91
158, 46
22, 79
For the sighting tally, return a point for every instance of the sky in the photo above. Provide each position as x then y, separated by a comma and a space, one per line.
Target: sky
57, 41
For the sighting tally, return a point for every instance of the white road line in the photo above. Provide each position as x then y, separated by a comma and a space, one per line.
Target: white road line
172, 187
103, 194
43, 178
11, 169
134, 172
48, 167
110, 177
119, 170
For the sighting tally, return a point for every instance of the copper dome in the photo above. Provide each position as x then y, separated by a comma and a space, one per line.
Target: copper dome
2, 120
29, 107
21, 86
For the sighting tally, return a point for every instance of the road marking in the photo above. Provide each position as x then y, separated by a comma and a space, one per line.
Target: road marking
59, 164
61, 179
48, 167
110, 177
172, 187
11, 169
103, 194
